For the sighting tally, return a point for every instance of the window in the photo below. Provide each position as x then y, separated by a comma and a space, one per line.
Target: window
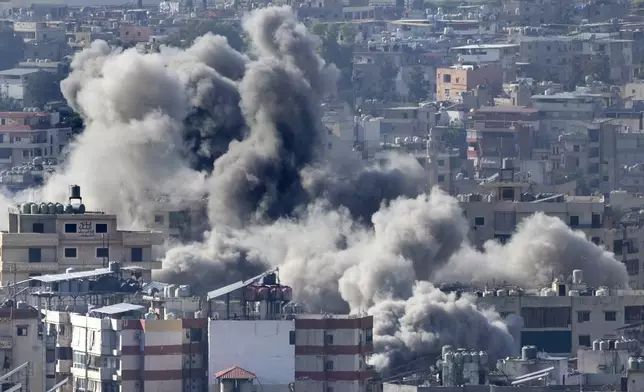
70, 228
575, 147
102, 253
291, 338
71, 253
101, 227
447, 78
369, 335
35, 255
595, 240
158, 219
37, 228
50, 356
610, 316
196, 334
596, 221
328, 365
22, 330
479, 221
137, 254
583, 316
574, 221
328, 339
441, 178
584, 340
441, 162
447, 92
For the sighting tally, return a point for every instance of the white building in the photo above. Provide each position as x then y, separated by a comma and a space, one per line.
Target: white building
263, 347
13, 82
50, 238
39, 31
19, 343
505, 54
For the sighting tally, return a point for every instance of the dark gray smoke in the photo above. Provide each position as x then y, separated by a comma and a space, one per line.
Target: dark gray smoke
246, 132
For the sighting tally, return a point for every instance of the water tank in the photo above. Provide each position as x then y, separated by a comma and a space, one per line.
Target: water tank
198, 314
51, 208
501, 293
475, 357
287, 293
68, 209
528, 352
513, 293
70, 270
170, 316
446, 349
263, 293
60, 209
250, 293
81, 209
611, 344
458, 357
74, 192
276, 293
640, 363
35, 208
467, 358
602, 292
176, 291
596, 345
577, 276
483, 358
488, 293
184, 291
115, 266
603, 345
632, 364
44, 209
574, 293
25, 208
21, 305
170, 290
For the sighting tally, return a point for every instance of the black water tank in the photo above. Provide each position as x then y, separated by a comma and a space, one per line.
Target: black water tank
74, 192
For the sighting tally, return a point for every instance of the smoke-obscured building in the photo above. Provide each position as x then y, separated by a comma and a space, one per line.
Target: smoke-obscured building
45, 238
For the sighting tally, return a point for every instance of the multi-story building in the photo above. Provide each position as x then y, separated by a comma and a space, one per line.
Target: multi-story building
13, 83
115, 350
563, 112
503, 54
459, 79
39, 31
27, 135
569, 315
180, 221
50, 238
20, 342
312, 352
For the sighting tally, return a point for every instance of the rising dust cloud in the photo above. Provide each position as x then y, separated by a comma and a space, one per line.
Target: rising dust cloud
245, 131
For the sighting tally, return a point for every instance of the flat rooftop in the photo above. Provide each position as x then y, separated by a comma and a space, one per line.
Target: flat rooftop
486, 46
18, 72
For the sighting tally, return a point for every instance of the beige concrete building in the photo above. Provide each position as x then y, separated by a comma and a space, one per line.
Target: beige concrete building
50, 238
20, 343
458, 79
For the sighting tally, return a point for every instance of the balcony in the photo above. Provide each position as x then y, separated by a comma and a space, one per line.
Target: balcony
28, 240
102, 374
25, 266
142, 238
63, 366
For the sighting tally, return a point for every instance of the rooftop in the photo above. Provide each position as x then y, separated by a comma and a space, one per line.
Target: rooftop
18, 72
506, 109
235, 373
486, 46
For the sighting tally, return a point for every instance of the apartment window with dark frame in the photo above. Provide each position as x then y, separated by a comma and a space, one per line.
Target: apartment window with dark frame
71, 228
328, 365
479, 221
71, 253
22, 330
291, 338
137, 254
35, 255
102, 253
101, 228
574, 221
328, 339
583, 316
610, 316
584, 340
38, 228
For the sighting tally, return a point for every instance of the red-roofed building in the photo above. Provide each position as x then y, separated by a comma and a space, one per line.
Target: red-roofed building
235, 373
26, 135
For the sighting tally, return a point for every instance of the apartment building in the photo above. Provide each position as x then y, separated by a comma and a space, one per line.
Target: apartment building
115, 350
562, 112
40, 31
497, 132
331, 352
312, 352
185, 221
452, 82
495, 214
20, 342
503, 54
27, 135
50, 238
13, 82
568, 315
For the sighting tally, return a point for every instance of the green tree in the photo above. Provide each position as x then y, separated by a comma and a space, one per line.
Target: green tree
418, 85
42, 87
202, 27
388, 74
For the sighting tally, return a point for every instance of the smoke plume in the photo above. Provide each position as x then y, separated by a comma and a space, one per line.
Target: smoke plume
243, 134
